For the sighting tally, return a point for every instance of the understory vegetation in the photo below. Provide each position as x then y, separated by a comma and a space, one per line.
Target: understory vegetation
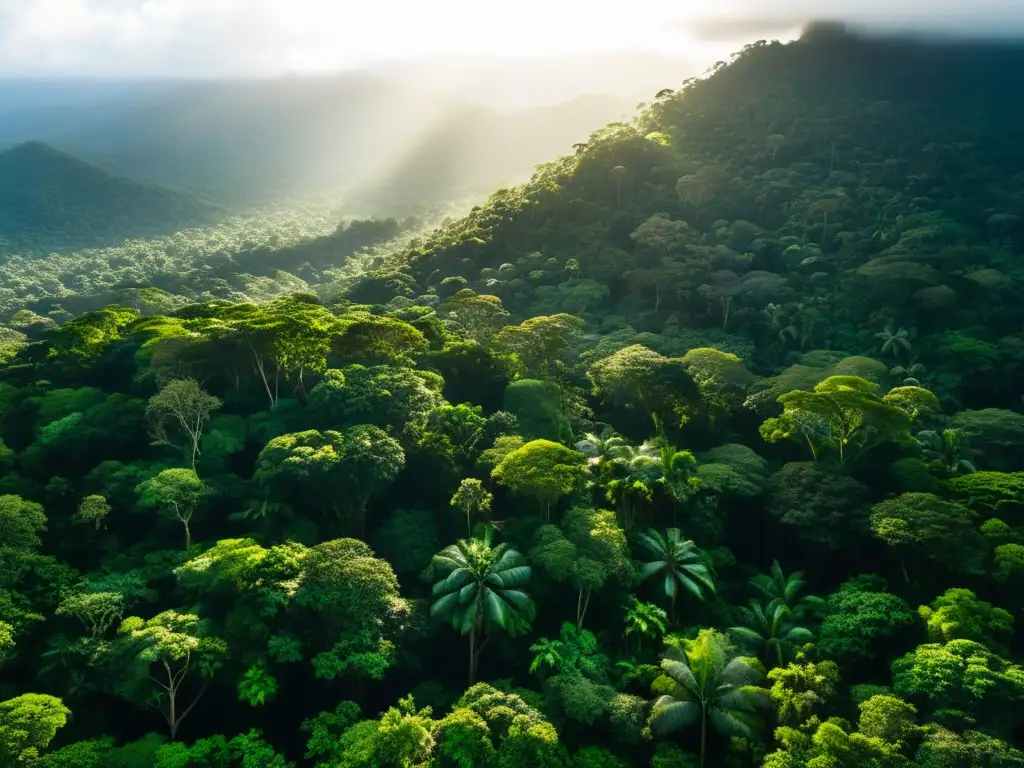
702, 448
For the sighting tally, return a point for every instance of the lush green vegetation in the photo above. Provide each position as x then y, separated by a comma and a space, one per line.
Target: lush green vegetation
51, 200
700, 449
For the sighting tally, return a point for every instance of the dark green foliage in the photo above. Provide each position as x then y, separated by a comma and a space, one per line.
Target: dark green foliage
822, 506
862, 621
777, 310
538, 409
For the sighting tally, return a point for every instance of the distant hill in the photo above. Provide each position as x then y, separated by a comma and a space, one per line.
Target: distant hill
50, 200
247, 143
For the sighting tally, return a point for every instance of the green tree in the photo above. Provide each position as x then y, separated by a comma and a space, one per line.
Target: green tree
21, 522
800, 690
962, 676
587, 551
958, 614
176, 493
540, 470
824, 507
465, 739
479, 315
930, 527
721, 376
678, 562
705, 681
644, 620
894, 341
93, 510
473, 500
28, 723
184, 405
539, 342
863, 622
177, 644
632, 476
480, 588
352, 610
638, 378
843, 414
339, 472
942, 748
776, 585
771, 631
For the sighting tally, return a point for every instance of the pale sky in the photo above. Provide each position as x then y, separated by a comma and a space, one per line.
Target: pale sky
270, 37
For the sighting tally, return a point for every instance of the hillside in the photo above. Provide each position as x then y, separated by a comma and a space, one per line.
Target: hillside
805, 197
704, 448
50, 200
250, 143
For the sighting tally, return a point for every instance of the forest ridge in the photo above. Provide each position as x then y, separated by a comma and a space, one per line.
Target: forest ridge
702, 448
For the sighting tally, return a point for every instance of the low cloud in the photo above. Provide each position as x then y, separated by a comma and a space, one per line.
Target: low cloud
269, 37
749, 21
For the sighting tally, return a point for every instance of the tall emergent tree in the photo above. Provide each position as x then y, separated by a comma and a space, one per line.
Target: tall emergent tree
177, 644
177, 493
184, 405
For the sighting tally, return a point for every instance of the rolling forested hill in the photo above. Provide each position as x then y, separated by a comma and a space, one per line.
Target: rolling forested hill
50, 200
702, 448
805, 196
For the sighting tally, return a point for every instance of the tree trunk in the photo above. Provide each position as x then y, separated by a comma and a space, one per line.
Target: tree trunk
258, 364
172, 700
581, 608
903, 567
472, 653
188, 535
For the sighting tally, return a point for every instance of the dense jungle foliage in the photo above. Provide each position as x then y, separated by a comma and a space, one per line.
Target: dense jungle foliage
703, 448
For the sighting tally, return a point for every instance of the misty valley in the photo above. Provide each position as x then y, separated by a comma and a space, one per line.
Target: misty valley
610, 417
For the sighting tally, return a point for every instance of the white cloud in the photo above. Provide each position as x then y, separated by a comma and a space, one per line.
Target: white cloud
190, 37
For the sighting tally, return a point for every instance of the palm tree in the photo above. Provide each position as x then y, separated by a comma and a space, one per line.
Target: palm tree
644, 620
769, 629
634, 471
600, 449
680, 563
481, 588
776, 585
946, 449
708, 683
678, 476
893, 341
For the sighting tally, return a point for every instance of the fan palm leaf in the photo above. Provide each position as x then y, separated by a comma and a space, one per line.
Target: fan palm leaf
710, 685
479, 588
679, 561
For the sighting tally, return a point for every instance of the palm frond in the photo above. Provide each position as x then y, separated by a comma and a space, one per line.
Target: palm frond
669, 715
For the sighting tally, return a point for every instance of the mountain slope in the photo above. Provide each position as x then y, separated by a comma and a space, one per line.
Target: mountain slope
244, 143
52, 200
811, 194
